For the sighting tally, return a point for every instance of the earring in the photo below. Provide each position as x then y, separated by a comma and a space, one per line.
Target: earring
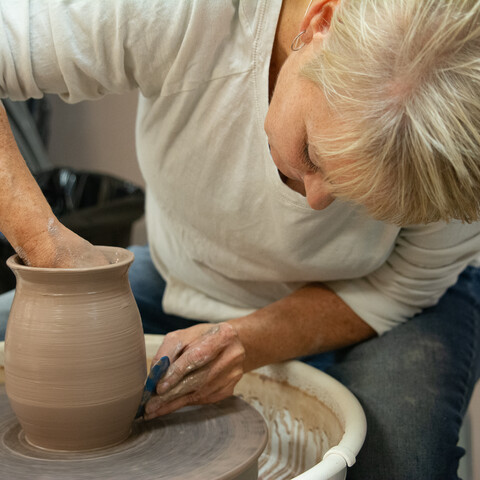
297, 43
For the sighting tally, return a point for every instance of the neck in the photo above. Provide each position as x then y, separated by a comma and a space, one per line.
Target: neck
288, 27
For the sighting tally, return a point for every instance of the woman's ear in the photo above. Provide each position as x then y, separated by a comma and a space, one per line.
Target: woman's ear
318, 19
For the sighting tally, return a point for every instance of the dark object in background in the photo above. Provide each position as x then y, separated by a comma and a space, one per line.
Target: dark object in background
98, 207
29, 122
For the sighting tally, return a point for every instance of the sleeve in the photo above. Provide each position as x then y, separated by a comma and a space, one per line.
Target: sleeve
425, 262
83, 49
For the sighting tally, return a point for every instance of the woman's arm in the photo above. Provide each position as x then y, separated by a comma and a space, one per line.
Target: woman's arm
310, 320
83, 50
26, 218
209, 359
425, 262
59, 46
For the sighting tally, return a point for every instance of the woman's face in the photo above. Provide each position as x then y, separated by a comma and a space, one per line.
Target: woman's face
296, 114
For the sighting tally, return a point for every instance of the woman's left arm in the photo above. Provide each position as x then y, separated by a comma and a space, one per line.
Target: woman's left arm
426, 260
209, 359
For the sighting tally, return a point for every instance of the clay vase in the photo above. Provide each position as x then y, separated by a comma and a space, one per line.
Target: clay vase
75, 354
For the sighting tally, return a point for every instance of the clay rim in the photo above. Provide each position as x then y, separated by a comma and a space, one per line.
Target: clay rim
125, 257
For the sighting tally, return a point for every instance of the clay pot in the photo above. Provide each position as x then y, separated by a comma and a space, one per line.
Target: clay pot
75, 354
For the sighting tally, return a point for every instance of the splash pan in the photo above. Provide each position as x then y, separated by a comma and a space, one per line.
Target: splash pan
316, 425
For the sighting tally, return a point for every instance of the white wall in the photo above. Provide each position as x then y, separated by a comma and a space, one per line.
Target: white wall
98, 136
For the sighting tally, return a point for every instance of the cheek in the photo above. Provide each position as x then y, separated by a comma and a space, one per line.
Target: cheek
284, 126
273, 119
282, 136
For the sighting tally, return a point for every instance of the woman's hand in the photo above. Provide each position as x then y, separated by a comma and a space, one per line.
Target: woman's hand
58, 247
206, 364
26, 219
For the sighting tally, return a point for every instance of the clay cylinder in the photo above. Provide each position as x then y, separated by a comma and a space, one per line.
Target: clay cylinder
75, 354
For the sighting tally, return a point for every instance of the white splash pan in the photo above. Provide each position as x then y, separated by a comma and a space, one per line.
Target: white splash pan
316, 425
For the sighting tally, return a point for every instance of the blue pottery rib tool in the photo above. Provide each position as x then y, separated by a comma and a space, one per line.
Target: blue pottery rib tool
156, 373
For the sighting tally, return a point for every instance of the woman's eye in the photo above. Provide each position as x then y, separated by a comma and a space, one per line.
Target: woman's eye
307, 161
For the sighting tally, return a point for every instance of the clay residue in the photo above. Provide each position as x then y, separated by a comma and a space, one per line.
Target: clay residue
22, 255
301, 428
52, 229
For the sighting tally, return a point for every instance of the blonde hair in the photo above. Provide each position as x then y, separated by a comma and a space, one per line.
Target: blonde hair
402, 80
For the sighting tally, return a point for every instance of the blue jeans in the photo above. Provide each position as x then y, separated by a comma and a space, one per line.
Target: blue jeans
414, 382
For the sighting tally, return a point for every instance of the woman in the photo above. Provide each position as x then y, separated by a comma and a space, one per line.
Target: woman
340, 238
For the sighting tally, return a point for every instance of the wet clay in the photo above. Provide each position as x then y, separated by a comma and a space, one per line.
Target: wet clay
216, 442
301, 428
75, 354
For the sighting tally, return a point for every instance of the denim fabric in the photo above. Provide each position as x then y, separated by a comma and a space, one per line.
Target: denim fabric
6, 300
414, 382
147, 287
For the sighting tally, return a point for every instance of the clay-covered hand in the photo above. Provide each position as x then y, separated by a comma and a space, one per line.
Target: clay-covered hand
58, 247
26, 219
206, 364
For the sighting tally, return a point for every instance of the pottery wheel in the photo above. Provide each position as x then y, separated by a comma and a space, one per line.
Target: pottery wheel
209, 442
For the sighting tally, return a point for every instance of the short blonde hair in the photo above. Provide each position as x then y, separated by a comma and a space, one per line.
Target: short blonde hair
403, 79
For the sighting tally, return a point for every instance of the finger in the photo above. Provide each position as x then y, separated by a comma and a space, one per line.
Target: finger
216, 395
204, 350
180, 373
189, 384
164, 409
180, 395
171, 347
201, 352
227, 368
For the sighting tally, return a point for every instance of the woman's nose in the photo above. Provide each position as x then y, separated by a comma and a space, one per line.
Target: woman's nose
318, 194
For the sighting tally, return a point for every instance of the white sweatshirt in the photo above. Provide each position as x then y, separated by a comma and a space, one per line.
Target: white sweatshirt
224, 231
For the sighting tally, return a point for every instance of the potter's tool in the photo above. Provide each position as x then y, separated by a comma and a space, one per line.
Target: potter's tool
216, 442
158, 370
